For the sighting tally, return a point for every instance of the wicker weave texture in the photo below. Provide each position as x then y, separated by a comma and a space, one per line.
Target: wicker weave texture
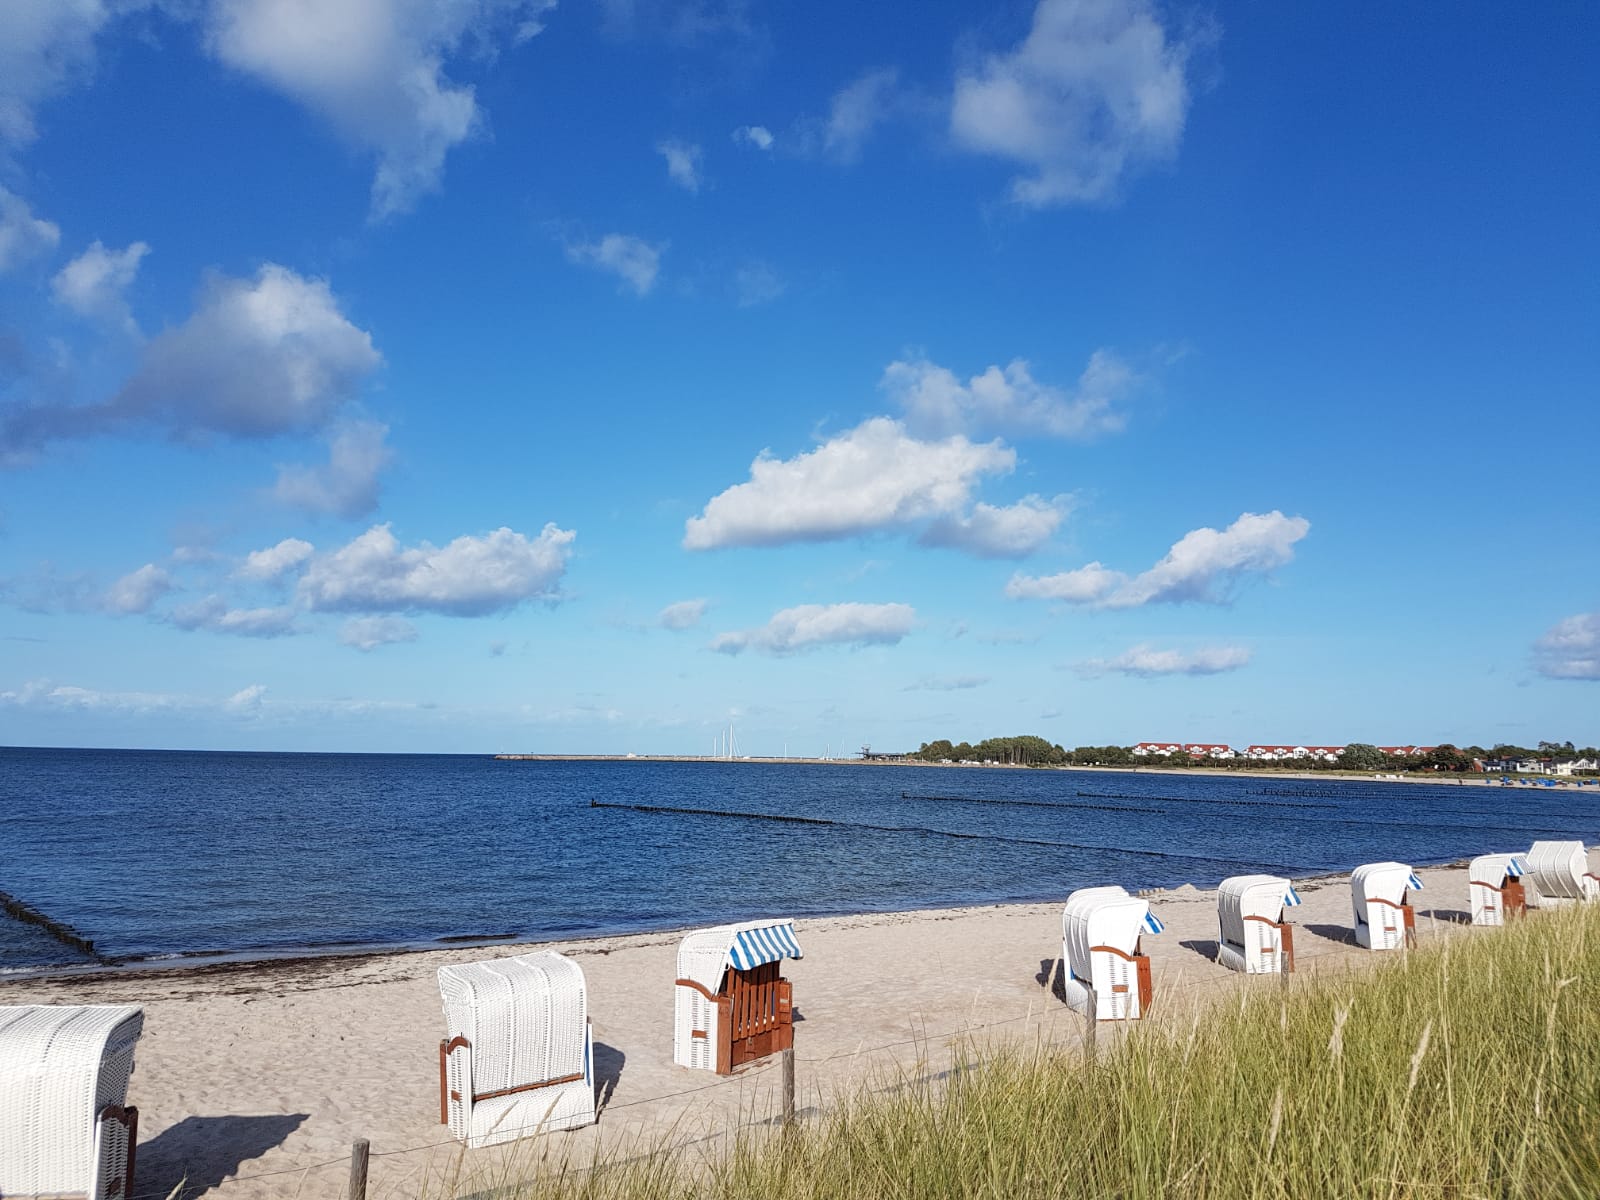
60, 1067
526, 1022
1375, 888
1102, 916
1251, 946
1559, 872
1486, 875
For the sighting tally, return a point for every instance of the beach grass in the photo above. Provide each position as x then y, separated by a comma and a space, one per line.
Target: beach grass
1467, 1069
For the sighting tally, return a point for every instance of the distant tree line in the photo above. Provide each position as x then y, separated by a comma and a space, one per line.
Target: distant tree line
1024, 751
1031, 751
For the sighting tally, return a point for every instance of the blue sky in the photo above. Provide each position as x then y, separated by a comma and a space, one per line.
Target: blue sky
478, 375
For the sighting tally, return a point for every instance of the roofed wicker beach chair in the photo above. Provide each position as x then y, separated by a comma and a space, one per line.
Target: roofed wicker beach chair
1101, 928
518, 1054
1384, 921
1253, 937
1494, 888
65, 1127
1560, 874
730, 1003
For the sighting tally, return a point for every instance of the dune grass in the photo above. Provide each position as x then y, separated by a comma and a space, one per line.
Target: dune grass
1468, 1069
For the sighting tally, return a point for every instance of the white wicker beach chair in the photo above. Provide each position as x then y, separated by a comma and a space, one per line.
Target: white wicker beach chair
1252, 936
1384, 921
730, 1003
1560, 873
1495, 889
518, 1054
65, 1127
1101, 929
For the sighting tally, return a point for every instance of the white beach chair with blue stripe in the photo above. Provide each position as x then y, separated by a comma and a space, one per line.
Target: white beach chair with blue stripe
518, 1055
731, 1005
1560, 873
1252, 935
1101, 928
1378, 891
1494, 888
65, 1127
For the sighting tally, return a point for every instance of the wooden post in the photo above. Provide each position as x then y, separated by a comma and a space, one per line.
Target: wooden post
1093, 1013
788, 1086
359, 1152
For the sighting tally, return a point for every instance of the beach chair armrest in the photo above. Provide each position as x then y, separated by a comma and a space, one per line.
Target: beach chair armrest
455, 1075
128, 1117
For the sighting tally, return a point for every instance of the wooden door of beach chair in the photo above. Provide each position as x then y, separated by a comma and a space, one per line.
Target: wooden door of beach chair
731, 1003
518, 1054
66, 1128
760, 1013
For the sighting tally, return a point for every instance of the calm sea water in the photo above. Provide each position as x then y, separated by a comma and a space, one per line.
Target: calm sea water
159, 854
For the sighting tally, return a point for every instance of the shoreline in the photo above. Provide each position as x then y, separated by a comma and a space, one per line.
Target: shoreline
1437, 779
224, 963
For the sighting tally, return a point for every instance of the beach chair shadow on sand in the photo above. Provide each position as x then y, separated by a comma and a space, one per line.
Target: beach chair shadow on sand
200, 1152
1205, 947
608, 1064
1342, 934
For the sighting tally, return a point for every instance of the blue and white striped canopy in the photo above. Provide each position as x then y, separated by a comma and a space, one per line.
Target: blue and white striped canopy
752, 947
1153, 923
1513, 868
1416, 884
1291, 898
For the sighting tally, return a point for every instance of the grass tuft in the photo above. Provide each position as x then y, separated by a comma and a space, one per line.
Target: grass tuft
1468, 1069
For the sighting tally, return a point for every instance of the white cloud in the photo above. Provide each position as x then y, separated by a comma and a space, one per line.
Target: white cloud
947, 683
136, 591
683, 163
347, 484
757, 136
23, 236
275, 561
756, 283
1096, 91
42, 694
213, 615
856, 111
1570, 649
469, 577
368, 633
532, 23
810, 625
871, 478
247, 700
92, 285
685, 614
633, 260
1201, 567
1014, 531
255, 359
45, 45
1146, 661
1010, 400
375, 70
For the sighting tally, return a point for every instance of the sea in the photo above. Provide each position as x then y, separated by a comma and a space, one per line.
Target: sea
154, 857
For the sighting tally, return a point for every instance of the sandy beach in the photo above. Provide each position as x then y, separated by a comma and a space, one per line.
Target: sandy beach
253, 1079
